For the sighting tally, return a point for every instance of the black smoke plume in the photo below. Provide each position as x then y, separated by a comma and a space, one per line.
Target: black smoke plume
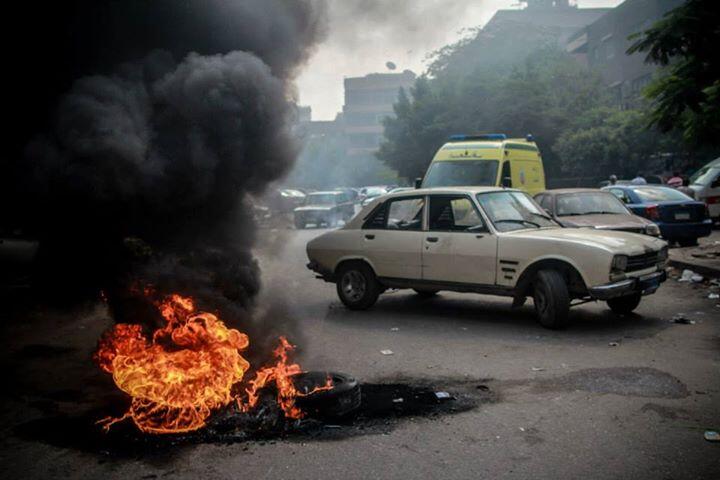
136, 173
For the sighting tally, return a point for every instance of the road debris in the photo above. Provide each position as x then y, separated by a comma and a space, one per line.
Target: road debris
443, 395
394, 329
690, 276
714, 296
614, 344
682, 319
398, 400
387, 352
712, 436
537, 369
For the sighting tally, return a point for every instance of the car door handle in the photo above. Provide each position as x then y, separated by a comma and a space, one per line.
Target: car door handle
370, 237
432, 239
479, 236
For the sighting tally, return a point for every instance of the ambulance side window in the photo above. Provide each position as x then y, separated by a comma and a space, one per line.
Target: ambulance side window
506, 173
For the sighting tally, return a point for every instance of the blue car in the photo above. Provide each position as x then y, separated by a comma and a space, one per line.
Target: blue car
680, 218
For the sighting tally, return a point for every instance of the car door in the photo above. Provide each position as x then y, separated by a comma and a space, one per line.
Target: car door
457, 246
392, 238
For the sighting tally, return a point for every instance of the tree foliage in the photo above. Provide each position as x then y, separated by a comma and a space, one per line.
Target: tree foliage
686, 96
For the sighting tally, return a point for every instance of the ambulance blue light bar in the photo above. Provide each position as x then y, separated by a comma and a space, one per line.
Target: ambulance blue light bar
487, 136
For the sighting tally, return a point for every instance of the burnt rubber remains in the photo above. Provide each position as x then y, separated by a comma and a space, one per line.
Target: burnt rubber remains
347, 410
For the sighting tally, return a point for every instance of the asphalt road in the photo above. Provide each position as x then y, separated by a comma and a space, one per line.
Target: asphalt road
560, 404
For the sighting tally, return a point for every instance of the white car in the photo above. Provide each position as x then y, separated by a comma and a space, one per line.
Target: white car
485, 240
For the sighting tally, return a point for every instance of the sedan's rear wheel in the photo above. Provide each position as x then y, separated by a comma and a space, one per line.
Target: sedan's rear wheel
357, 286
551, 298
624, 305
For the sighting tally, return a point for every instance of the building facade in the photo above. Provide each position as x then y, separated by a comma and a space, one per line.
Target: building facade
368, 100
603, 44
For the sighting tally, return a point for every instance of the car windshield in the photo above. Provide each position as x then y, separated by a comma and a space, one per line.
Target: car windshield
462, 173
588, 203
321, 199
513, 211
660, 194
704, 176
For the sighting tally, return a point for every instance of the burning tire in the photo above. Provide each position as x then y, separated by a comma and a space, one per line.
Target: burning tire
340, 400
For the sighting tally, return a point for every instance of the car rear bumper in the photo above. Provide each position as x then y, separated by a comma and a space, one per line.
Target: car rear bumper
686, 230
645, 285
322, 273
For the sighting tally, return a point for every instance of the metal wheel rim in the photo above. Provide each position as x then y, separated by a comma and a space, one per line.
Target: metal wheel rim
353, 285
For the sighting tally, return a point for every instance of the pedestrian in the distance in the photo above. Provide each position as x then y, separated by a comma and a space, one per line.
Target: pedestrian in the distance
639, 180
675, 181
613, 179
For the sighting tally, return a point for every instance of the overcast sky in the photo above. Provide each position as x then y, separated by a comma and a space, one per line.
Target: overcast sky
365, 34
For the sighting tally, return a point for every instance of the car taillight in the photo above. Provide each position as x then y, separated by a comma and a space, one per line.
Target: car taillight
652, 212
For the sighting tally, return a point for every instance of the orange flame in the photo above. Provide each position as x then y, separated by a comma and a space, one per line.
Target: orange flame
188, 370
281, 373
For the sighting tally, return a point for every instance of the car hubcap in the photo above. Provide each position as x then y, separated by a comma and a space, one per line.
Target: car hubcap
353, 285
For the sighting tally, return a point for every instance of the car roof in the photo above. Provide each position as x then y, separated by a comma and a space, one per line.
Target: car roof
561, 191
329, 192
449, 190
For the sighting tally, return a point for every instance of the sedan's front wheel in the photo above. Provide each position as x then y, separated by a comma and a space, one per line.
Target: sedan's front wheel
551, 298
357, 286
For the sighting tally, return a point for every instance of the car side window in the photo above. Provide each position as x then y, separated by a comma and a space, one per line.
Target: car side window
620, 194
405, 214
400, 214
545, 201
454, 214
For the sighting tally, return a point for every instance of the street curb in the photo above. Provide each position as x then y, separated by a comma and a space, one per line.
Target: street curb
701, 269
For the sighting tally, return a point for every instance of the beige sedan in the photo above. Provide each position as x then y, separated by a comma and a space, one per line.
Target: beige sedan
485, 240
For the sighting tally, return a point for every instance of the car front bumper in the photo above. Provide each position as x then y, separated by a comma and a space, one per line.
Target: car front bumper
644, 285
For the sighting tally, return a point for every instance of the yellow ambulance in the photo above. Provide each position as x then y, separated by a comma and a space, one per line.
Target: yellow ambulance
487, 160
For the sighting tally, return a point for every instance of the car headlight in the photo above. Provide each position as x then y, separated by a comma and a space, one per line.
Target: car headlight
653, 230
619, 263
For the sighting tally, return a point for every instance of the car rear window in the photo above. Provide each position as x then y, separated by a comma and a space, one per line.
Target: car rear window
660, 194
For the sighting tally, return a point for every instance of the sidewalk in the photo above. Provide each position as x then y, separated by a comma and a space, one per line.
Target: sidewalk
703, 259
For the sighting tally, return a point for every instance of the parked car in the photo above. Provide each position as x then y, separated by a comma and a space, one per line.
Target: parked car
368, 194
706, 185
578, 207
680, 218
324, 208
352, 194
485, 240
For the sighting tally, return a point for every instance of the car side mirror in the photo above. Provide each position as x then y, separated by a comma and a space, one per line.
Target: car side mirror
418, 182
507, 182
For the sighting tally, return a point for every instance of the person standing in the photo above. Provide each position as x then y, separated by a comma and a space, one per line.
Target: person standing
638, 180
675, 181
613, 179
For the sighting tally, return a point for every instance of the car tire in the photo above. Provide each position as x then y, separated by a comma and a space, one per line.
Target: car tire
551, 298
426, 293
357, 286
688, 242
624, 305
299, 224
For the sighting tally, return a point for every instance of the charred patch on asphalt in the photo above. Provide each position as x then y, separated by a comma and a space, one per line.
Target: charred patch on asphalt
384, 406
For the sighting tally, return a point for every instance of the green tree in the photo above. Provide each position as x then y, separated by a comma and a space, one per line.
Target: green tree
686, 94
